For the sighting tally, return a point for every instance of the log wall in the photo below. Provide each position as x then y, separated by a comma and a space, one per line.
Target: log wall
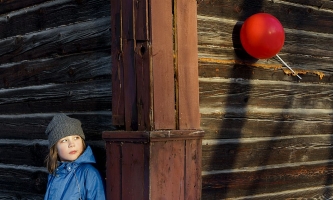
268, 134
54, 57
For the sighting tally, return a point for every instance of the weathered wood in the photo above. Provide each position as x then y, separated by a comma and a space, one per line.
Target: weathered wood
221, 54
266, 130
133, 171
85, 36
23, 179
142, 162
21, 195
187, 64
7, 6
118, 108
33, 152
50, 50
167, 157
143, 87
33, 126
265, 125
193, 165
252, 152
57, 97
113, 174
162, 64
56, 70
267, 180
238, 93
48, 15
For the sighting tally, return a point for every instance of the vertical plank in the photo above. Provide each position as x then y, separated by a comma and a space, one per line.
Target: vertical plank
193, 169
162, 64
167, 170
133, 171
118, 109
141, 20
113, 171
142, 63
127, 19
187, 64
129, 67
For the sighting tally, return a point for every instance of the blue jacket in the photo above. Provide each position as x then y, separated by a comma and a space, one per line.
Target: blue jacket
76, 179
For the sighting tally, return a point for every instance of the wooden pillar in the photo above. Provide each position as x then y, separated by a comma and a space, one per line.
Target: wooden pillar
155, 98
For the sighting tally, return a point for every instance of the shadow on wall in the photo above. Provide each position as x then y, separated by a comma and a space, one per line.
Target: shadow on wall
254, 181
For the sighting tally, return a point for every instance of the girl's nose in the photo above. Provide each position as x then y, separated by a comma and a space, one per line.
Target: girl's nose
71, 144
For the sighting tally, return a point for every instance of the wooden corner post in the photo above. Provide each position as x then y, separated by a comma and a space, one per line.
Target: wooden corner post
155, 98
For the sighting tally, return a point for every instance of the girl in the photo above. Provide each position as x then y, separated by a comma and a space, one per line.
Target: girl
69, 163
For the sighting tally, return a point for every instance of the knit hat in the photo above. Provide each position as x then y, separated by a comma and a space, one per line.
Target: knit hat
62, 126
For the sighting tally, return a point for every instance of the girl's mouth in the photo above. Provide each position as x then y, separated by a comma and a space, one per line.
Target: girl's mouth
72, 152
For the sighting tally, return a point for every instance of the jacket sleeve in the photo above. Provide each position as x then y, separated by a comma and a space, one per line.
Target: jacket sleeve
94, 185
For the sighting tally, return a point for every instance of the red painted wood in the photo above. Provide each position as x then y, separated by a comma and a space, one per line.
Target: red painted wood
129, 65
118, 109
187, 64
141, 20
144, 106
133, 171
161, 21
167, 170
156, 164
113, 171
193, 169
131, 115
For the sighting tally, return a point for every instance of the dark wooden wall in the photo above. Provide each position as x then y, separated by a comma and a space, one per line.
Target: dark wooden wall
54, 57
268, 135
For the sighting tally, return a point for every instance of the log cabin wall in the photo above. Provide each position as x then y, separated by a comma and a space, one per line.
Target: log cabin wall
268, 134
55, 56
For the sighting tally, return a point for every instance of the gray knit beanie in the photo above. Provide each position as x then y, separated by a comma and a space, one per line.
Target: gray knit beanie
63, 126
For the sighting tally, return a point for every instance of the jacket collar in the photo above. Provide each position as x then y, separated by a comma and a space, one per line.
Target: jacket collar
86, 157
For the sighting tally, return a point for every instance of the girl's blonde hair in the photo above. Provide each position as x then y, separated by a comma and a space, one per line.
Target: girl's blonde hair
52, 158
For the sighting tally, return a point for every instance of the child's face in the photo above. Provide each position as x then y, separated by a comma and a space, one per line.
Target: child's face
70, 148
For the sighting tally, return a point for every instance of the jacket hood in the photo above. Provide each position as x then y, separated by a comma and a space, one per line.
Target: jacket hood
86, 157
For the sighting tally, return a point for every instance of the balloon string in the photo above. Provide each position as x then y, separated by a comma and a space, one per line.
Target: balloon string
288, 66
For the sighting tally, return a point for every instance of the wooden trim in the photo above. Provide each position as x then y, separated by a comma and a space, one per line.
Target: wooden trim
162, 64
146, 136
118, 109
187, 64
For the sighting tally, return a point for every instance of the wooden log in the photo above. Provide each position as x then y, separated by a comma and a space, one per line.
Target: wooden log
254, 152
33, 126
21, 195
7, 6
221, 54
267, 180
62, 69
301, 15
85, 36
57, 97
34, 152
238, 93
48, 15
255, 125
23, 179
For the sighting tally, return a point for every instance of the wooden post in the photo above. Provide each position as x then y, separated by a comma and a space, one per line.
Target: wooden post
155, 97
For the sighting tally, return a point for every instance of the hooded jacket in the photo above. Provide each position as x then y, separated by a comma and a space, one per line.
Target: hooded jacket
76, 180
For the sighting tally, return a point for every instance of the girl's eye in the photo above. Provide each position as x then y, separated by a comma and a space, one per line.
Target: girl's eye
77, 137
63, 141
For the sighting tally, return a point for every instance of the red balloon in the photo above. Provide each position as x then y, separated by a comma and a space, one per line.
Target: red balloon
262, 35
